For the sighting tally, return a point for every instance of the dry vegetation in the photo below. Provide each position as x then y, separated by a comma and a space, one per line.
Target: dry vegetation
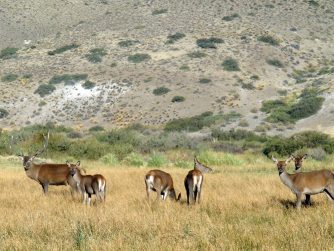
243, 207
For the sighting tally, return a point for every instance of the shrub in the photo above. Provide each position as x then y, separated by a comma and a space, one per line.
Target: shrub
185, 68
128, 43
158, 12
156, 160
160, 91
63, 49
96, 129
254, 77
109, 159
88, 85
134, 159
209, 43
196, 54
88, 149
178, 99
67, 78
248, 86
95, 55
192, 123
9, 52
138, 58
230, 18
174, 37
45, 89
268, 40
205, 80
317, 153
74, 135
3, 113
275, 62
313, 3
230, 64
10, 77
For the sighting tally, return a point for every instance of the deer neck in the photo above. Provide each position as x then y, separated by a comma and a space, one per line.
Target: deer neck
286, 179
77, 176
33, 171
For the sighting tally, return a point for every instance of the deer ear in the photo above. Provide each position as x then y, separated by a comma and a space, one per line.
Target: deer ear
78, 163
305, 156
68, 163
289, 159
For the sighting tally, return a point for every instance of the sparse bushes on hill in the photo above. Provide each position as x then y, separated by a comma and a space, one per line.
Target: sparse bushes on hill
231, 17
174, 37
158, 12
8, 53
231, 64
209, 43
63, 49
45, 89
161, 91
128, 43
96, 129
68, 79
3, 113
205, 80
88, 84
275, 62
196, 54
95, 55
139, 57
268, 40
178, 99
10, 77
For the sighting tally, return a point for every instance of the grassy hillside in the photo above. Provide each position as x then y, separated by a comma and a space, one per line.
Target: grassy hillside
114, 63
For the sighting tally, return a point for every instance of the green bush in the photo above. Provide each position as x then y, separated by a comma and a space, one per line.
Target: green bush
88, 149
109, 159
268, 40
275, 62
128, 43
88, 84
205, 80
158, 12
230, 18
160, 91
8, 53
95, 55
197, 54
67, 78
3, 113
171, 39
63, 49
134, 159
139, 57
156, 160
10, 77
230, 64
96, 128
45, 89
209, 43
247, 86
178, 99
192, 124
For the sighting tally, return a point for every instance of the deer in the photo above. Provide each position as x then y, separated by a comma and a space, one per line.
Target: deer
162, 183
199, 166
308, 183
89, 184
193, 184
298, 167
47, 174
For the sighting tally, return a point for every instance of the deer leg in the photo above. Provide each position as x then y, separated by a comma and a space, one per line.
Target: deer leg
199, 195
195, 193
45, 187
307, 199
330, 194
89, 199
299, 200
187, 191
84, 194
158, 193
165, 193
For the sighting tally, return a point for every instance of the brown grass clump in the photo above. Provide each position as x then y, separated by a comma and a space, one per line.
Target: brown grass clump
243, 207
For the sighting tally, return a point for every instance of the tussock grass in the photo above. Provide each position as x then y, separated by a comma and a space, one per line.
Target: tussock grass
244, 206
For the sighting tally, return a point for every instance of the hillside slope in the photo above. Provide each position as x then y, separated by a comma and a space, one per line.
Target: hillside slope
296, 52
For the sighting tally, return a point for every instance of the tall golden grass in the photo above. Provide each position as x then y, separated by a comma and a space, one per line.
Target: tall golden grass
243, 207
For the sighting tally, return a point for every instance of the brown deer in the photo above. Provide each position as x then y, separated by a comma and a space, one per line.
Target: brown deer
298, 168
313, 182
47, 174
193, 184
89, 184
199, 166
162, 183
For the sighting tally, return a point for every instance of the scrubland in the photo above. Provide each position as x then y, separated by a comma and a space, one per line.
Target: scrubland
244, 206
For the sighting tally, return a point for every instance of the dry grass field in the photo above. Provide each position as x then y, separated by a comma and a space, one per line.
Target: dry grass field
243, 207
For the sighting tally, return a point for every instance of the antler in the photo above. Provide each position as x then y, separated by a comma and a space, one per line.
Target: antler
46, 142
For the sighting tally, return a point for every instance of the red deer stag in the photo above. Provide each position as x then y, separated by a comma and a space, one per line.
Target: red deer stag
89, 184
193, 184
313, 182
162, 183
47, 174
